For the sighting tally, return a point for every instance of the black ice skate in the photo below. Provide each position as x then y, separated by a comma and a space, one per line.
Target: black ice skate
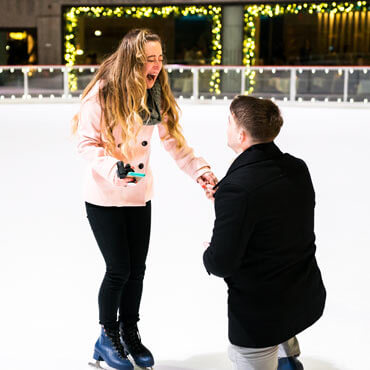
132, 344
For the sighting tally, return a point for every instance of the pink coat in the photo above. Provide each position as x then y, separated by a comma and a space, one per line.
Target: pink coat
100, 188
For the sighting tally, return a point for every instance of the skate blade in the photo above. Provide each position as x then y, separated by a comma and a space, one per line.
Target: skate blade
136, 366
97, 365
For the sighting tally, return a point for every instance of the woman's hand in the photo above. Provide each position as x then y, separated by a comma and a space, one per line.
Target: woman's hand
127, 181
207, 181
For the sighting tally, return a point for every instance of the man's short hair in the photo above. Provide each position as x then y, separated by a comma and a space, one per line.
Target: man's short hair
260, 117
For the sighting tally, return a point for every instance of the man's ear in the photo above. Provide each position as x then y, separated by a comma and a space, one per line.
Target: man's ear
243, 136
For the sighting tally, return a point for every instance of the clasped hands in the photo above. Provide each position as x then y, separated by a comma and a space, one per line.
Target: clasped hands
207, 181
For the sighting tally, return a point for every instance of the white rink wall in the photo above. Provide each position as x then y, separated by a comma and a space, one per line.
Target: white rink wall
50, 267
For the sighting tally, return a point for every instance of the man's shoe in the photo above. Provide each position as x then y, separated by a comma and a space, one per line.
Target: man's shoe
290, 363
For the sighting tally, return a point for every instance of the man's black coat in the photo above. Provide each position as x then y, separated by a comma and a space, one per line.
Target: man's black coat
263, 244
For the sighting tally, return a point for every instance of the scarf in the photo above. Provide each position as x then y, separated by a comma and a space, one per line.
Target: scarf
154, 97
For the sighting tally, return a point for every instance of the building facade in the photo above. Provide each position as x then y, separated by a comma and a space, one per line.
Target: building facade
224, 32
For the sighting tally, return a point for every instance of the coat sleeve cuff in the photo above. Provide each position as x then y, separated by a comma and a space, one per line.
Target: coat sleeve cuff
205, 262
205, 167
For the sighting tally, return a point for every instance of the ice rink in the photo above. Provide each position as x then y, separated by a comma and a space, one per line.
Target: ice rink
51, 269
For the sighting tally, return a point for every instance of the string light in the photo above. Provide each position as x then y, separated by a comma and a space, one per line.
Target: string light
252, 12
72, 17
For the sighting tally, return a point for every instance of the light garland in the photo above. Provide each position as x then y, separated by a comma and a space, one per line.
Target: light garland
73, 14
252, 12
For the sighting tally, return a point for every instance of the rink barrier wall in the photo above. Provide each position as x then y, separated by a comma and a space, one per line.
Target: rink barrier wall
329, 85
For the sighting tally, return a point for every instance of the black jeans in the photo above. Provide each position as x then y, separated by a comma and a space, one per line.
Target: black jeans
122, 234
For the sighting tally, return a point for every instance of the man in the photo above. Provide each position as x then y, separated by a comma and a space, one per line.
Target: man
263, 241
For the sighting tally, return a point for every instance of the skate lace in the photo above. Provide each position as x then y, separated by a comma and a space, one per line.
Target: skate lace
132, 338
117, 345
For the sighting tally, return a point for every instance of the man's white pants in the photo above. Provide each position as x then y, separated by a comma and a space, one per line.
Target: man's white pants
243, 358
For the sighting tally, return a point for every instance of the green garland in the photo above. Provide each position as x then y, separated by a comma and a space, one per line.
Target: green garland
252, 12
73, 14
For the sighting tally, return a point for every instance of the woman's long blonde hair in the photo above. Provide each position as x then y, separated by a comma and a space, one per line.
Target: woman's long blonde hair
122, 94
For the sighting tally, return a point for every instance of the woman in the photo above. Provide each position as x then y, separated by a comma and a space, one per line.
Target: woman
121, 106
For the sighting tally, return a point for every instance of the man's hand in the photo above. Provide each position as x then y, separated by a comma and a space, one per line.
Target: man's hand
207, 181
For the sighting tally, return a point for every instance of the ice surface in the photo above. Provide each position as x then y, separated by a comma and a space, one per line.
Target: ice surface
51, 269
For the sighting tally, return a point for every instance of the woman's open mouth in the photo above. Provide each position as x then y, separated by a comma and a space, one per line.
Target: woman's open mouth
151, 77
